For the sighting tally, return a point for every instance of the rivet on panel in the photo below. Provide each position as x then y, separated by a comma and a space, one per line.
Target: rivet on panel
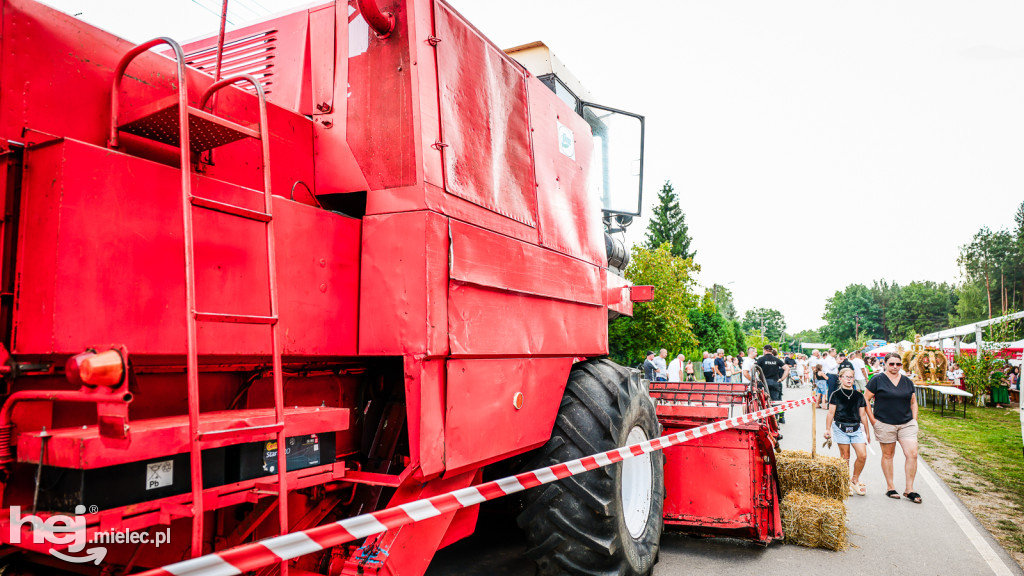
323, 263
517, 400
323, 287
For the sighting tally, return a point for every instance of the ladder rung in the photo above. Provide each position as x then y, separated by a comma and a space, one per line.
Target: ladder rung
241, 433
230, 209
234, 318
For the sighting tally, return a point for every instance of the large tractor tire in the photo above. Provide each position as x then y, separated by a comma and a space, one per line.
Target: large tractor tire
606, 521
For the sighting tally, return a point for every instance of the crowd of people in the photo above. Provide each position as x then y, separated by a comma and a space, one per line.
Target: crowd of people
863, 397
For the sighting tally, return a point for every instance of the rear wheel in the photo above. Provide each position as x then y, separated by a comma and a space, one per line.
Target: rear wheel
609, 520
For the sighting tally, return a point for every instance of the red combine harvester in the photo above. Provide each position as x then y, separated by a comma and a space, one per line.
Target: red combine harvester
340, 260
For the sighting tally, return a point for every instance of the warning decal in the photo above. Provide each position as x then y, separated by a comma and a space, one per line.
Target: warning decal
159, 474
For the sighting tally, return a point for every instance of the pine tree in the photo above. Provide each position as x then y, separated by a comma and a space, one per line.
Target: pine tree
668, 224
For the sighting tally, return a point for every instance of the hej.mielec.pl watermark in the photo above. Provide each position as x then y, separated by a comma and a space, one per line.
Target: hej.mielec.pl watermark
63, 530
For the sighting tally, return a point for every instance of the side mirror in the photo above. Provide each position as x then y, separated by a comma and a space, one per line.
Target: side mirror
617, 168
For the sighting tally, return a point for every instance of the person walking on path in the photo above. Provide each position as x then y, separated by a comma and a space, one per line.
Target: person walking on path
820, 386
661, 374
719, 366
675, 369
791, 362
689, 372
775, 371
815, 360
894, 417
844, 362
748, 363
828, 360
708, 366
847, 422
860, 371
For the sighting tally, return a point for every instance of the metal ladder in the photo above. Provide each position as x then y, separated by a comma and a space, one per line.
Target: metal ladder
158, 124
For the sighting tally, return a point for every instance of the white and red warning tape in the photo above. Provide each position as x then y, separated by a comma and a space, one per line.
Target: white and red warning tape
273, 550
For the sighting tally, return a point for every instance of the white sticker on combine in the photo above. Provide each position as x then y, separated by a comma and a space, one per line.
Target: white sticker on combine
159, 474
566, 141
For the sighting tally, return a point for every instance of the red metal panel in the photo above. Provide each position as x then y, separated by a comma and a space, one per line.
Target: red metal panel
283, 39
487, 259
318, 279
485, 122
80, 60
380, 105
480, 406
711, 479
484, 321
328, 55
102, 261
424, 396
429, 197
408, 549
85, 448
641, 293
403, 309
570, 217
618, 293
336, 166
424, 90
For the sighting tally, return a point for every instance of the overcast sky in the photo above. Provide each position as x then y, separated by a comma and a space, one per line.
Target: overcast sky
813, 144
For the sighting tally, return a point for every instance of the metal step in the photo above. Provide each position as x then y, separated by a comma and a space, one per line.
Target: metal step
231, 209
159, 122
233, 318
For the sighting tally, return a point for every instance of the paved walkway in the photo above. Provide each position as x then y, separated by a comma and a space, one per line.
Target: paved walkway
888, 536
939, 536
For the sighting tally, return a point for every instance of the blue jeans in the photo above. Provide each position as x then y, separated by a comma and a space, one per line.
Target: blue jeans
719, 378
841, 437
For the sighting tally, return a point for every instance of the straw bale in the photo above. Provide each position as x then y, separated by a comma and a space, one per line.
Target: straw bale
813, 521
824, 476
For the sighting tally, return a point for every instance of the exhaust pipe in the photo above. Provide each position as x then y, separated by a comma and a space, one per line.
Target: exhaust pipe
382, 23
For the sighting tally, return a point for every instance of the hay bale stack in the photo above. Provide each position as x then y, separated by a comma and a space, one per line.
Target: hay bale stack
813, 521
824, 476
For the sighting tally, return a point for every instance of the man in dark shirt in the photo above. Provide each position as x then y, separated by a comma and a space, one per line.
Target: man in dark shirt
774, 370
844, 362
788, 359
649, 367
720, 365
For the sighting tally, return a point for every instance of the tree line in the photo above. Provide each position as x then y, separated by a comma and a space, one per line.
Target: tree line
992, 284
683, 317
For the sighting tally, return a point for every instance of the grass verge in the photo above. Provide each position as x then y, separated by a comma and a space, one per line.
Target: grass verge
988, 443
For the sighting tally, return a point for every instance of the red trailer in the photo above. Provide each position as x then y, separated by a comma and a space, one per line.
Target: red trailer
342, 259
724, 484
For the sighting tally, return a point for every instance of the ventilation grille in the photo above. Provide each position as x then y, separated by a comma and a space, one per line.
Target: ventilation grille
253, 54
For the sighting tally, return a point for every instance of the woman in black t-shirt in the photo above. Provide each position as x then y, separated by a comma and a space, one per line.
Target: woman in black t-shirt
847, 422
894, 416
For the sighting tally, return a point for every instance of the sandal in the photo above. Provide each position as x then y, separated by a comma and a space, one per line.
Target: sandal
859, 489
893, 494
913, 497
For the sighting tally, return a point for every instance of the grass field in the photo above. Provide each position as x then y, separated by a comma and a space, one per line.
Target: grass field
988, 443
986, 450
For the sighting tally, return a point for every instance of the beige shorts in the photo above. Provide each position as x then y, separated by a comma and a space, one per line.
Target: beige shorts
891, 433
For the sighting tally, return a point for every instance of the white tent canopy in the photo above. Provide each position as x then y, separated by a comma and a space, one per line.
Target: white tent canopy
815, 345
966, 329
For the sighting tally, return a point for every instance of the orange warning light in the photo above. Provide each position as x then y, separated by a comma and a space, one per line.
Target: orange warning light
96, 369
